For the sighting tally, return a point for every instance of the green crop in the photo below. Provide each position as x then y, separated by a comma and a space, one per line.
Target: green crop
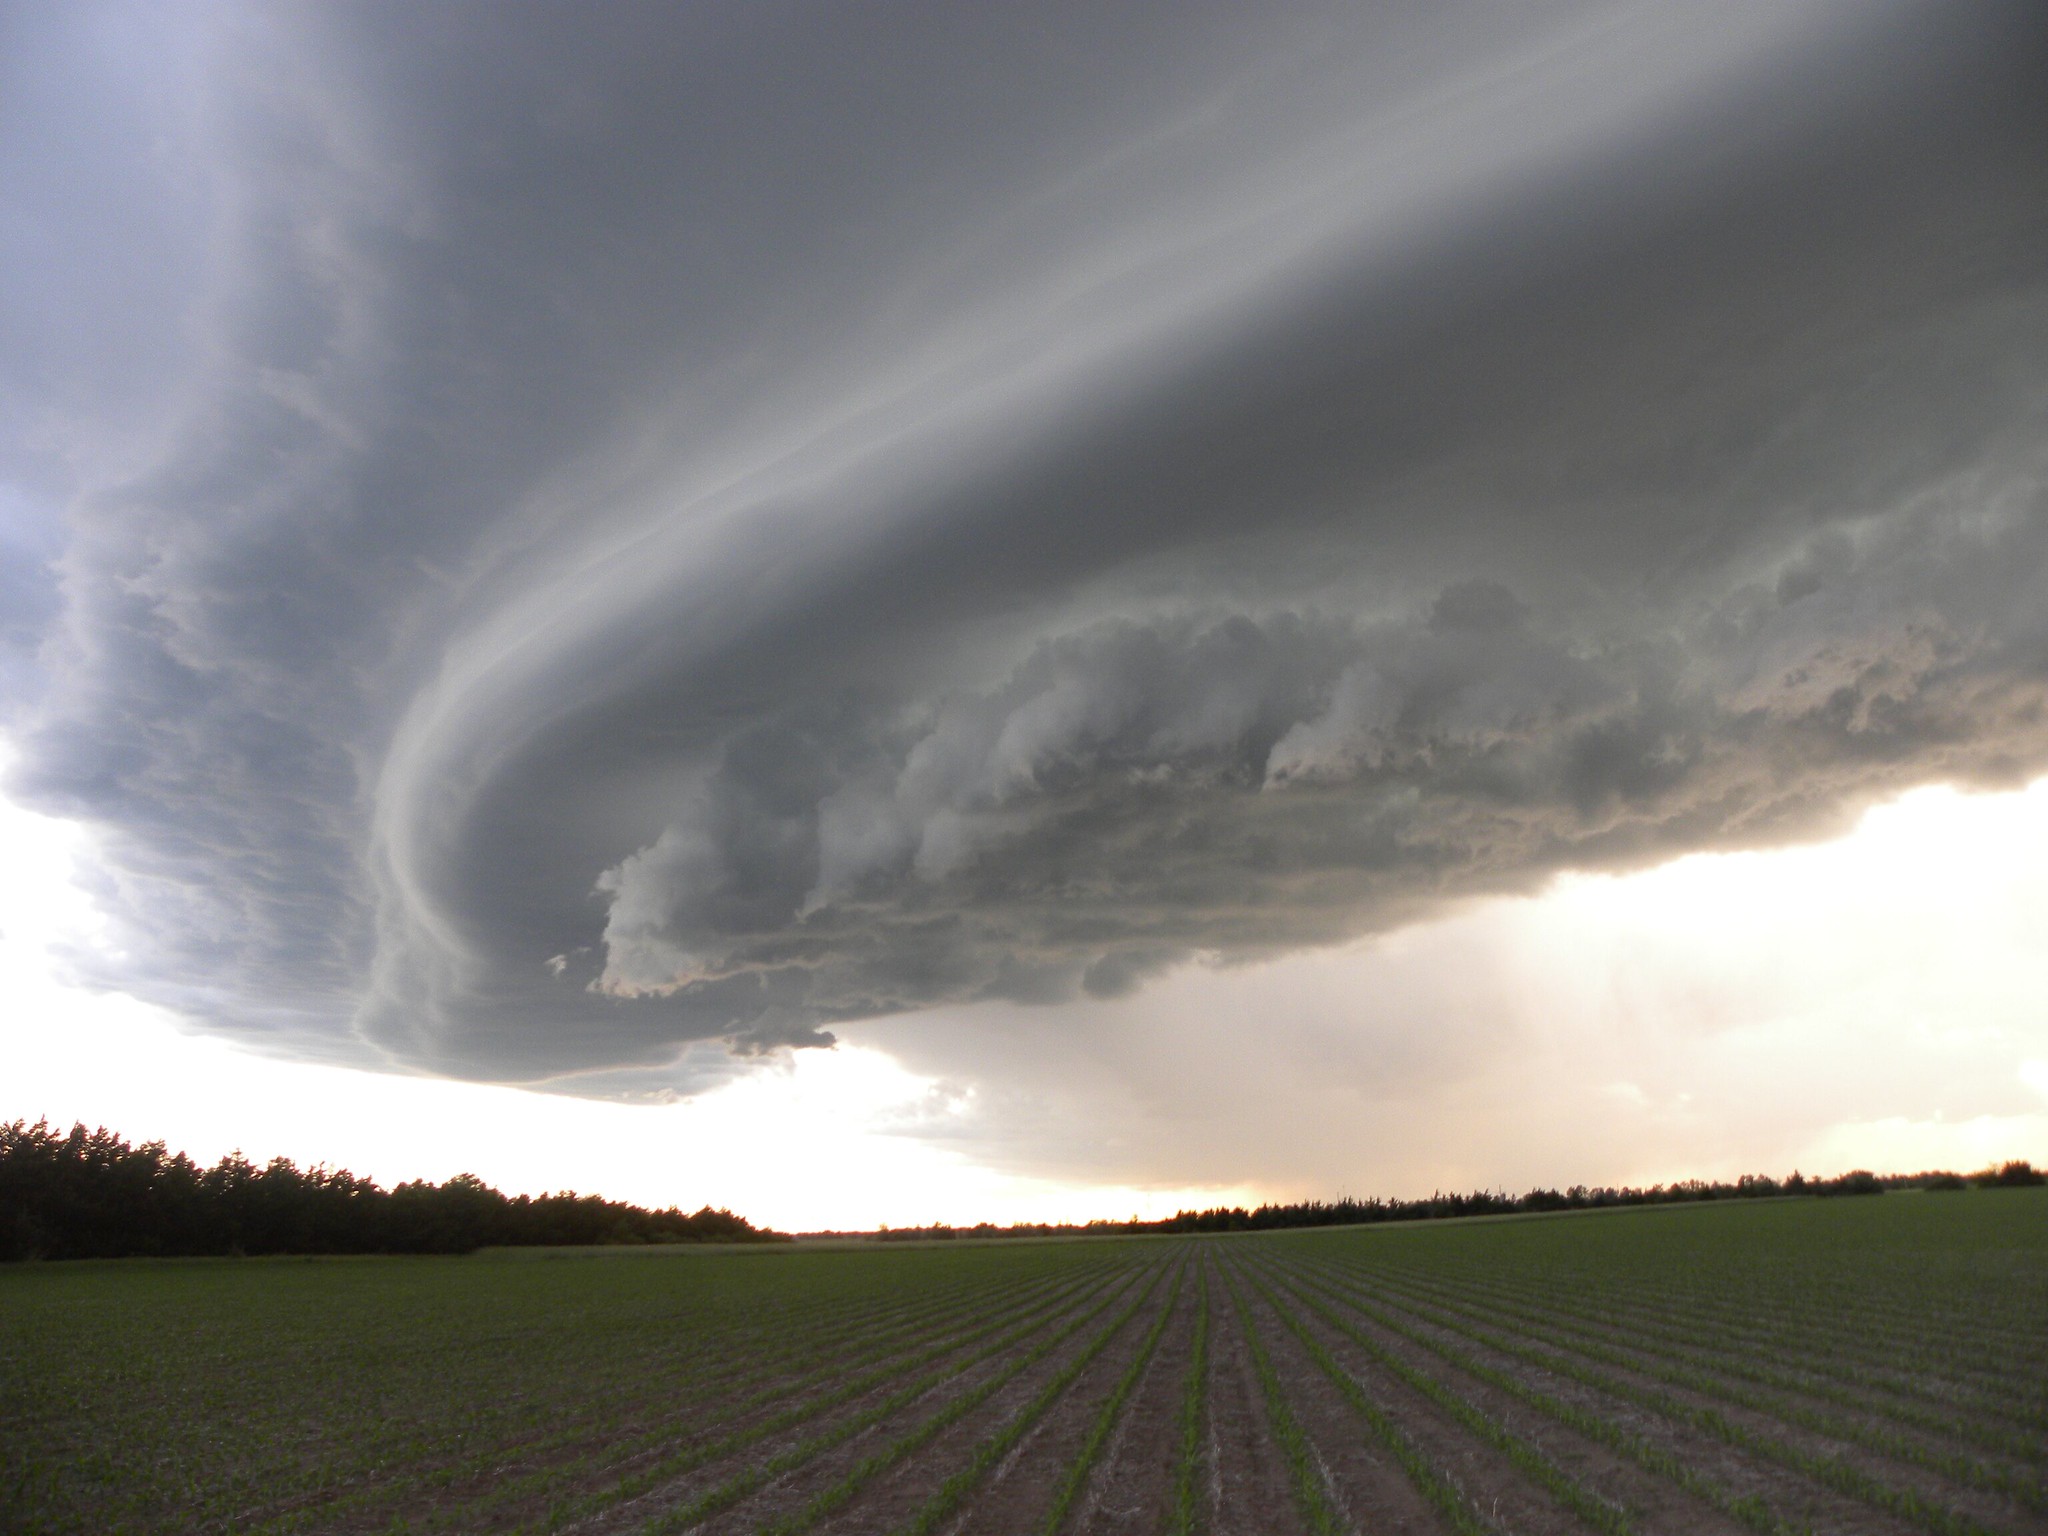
1788, 1364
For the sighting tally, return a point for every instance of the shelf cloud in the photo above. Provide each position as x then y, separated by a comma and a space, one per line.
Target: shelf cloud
543, 540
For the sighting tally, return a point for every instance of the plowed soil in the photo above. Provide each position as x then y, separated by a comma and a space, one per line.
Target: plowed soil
1486, 1377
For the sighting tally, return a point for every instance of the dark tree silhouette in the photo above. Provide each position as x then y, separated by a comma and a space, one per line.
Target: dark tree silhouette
1354, 1212
89, 1194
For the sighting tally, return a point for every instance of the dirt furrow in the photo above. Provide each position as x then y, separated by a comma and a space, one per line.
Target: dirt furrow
1650, 1504
1826, 1384
1132, 1489
550, 1493
1866, 1414
1934, 1490
925, 1490
1791, 1493
1016, 1497
1374, 1484
1249, 1492
1964, 1375
497, 1487
1367, 1484
735, 1479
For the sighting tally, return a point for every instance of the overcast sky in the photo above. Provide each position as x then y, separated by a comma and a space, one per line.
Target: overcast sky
1137, 566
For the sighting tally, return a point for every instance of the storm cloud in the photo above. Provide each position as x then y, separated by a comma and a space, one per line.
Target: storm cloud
539, 538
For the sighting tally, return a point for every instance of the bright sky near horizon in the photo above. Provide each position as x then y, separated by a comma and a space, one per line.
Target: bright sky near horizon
939, 610
1719, 1015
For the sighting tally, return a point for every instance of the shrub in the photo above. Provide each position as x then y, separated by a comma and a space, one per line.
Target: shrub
2012, 1175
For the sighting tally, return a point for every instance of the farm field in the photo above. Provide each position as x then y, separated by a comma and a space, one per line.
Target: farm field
1851, 1365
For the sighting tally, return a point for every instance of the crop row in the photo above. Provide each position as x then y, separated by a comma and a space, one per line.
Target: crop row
1667, 1345
414, 1433
1916, 1357
1517, 1359
733, 1379
1640, 1373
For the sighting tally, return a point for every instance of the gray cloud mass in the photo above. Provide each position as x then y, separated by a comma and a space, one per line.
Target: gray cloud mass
539, 537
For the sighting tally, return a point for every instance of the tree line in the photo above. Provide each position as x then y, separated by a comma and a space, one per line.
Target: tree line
91, 1195
1354, 1212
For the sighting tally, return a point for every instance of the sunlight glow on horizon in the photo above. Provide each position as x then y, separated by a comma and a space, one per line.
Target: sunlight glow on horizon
802, 1145
844, 1138
1938, 906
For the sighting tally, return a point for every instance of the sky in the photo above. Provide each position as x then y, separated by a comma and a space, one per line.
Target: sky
916, 612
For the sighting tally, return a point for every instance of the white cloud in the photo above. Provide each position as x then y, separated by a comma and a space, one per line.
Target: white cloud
1874, 1001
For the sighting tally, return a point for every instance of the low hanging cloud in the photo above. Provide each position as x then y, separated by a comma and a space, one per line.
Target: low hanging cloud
1134, 796
553, 549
